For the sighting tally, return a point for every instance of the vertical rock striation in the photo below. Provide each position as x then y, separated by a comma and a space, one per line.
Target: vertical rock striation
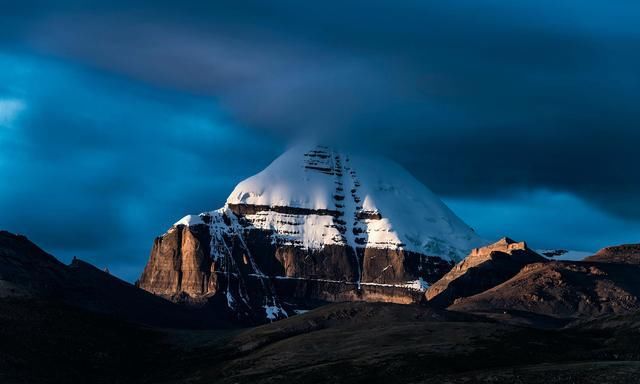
180, 262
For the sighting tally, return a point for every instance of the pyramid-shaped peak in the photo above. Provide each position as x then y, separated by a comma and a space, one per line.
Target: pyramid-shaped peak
317, 214
380, 203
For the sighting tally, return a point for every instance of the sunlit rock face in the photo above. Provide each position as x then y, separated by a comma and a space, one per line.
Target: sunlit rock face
316, 224
181, 262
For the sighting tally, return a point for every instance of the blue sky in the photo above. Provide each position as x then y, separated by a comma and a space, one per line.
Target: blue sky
117, 118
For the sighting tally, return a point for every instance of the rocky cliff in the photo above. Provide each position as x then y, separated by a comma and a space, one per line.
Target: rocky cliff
181, 262
316, 224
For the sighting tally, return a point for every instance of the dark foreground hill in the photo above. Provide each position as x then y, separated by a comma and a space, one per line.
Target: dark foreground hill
551, 293
76, 324
569, 290
342, 343
29, 273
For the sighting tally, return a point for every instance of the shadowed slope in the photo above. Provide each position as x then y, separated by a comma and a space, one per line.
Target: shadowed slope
29, 273
484, 268
563, 290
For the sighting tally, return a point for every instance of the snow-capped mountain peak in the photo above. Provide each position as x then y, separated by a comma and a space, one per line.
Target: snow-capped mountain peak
312, 196
316, 223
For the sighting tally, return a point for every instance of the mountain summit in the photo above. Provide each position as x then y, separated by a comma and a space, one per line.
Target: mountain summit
380, 205
316, 224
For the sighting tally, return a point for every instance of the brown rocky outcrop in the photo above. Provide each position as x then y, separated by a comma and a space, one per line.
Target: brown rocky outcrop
180, 261
562, 290
484, 268
621, 254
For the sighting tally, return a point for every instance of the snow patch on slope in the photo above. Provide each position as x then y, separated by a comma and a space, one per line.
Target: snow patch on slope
563, 254
308, 231
273, 312
190, 220
286, 183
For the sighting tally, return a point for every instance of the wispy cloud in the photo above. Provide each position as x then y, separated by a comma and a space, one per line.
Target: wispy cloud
10, 109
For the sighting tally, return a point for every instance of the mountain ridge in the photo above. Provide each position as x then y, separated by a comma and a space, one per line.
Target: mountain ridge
29, 273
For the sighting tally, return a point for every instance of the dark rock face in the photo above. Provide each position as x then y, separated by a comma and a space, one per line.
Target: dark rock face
250, 209
331, 263
310, 291
484, 268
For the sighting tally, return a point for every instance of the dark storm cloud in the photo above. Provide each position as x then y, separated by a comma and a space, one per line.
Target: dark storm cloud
99, 174
118, 117
536, 94
547, 220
